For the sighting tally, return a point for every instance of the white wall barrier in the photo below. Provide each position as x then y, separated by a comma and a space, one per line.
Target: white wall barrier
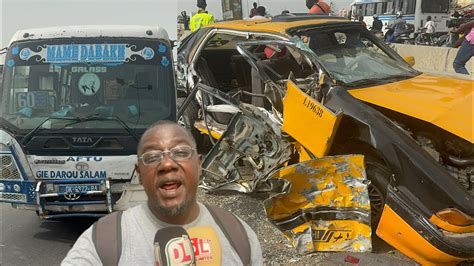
438, 60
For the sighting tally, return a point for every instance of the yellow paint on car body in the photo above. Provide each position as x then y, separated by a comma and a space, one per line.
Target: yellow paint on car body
399, 234
327, 207
445, 102
308, 121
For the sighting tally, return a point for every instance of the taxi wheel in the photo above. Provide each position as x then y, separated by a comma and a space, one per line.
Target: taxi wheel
379, 176
377, 172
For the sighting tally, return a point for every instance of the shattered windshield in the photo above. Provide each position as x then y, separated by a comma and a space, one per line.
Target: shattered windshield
352, 57
129, 80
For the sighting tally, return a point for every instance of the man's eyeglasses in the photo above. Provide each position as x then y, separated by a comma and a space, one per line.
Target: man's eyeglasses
180, 153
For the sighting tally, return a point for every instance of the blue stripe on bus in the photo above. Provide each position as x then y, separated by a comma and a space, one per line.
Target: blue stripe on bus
393, 16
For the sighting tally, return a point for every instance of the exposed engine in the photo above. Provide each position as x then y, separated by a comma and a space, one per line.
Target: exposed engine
456, 155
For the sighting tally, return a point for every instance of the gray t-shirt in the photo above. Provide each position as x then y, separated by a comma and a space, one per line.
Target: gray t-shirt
139, 227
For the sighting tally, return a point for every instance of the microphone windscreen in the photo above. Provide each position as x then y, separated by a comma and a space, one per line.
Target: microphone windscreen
206, 244
173, 247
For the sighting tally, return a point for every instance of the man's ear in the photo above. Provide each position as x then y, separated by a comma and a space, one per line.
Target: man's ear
200, 164
137, 170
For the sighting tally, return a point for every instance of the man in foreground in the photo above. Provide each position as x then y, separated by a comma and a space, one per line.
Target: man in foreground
169, 169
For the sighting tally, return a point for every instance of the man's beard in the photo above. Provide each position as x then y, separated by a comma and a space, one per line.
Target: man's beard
173, 211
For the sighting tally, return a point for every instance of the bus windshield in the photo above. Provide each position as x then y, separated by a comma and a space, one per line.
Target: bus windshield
435, 6
128, 80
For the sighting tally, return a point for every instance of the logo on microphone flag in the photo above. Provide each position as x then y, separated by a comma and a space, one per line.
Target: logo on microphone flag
202, 249
179, 251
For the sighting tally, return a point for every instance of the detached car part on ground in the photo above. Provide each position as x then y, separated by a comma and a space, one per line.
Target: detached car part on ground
426, 213
321, 204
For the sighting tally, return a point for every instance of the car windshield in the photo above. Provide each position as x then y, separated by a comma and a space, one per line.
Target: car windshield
352, 57
127, 80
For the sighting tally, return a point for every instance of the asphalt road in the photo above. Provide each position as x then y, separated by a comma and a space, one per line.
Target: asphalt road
26, 240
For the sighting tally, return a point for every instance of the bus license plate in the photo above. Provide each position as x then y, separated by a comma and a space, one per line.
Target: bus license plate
78, 188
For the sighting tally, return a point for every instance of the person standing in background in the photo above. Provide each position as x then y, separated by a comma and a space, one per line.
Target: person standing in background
253, 11
398, 27
185, 20
317, 7
260, 13
202, 17
466, 51
376, 24
361, 20
430, 25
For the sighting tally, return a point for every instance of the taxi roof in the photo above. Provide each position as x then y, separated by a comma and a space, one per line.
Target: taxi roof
278, 24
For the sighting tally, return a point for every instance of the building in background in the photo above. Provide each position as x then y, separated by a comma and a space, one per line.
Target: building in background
343, 12
232, 9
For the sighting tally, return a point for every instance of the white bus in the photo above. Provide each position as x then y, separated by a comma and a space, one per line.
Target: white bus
414, 11
73, 104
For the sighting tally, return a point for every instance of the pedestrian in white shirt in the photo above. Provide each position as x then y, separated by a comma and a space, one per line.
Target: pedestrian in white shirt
430, 25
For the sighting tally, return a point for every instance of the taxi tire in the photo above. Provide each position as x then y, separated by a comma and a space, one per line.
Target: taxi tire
379, 175
377, 172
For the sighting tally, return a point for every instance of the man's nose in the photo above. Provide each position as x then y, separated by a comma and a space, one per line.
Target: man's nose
168, 162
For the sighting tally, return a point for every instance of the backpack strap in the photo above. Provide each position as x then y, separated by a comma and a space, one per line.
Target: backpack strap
320, 7
107, 238
233, 230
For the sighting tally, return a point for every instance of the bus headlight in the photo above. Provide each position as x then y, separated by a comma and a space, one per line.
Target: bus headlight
8, 168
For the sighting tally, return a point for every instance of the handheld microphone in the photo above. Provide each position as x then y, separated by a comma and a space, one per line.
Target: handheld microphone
206, 244
173, 247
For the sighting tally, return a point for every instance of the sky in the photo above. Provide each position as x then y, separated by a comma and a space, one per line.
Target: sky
24, 14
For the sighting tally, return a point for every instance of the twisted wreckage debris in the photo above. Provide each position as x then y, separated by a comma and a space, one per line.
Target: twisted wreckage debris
321, 204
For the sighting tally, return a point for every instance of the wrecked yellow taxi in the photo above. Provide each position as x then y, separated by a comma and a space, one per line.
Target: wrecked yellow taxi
277, 93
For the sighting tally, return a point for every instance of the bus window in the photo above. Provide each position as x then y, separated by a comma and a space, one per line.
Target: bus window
408, 7
360, 10
390, 8
435, 6
370, 9
380, 9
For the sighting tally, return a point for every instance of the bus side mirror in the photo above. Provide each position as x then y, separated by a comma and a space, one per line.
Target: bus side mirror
409, 59
175, 43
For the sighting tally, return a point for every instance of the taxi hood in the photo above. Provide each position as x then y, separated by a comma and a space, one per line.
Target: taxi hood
444, 102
